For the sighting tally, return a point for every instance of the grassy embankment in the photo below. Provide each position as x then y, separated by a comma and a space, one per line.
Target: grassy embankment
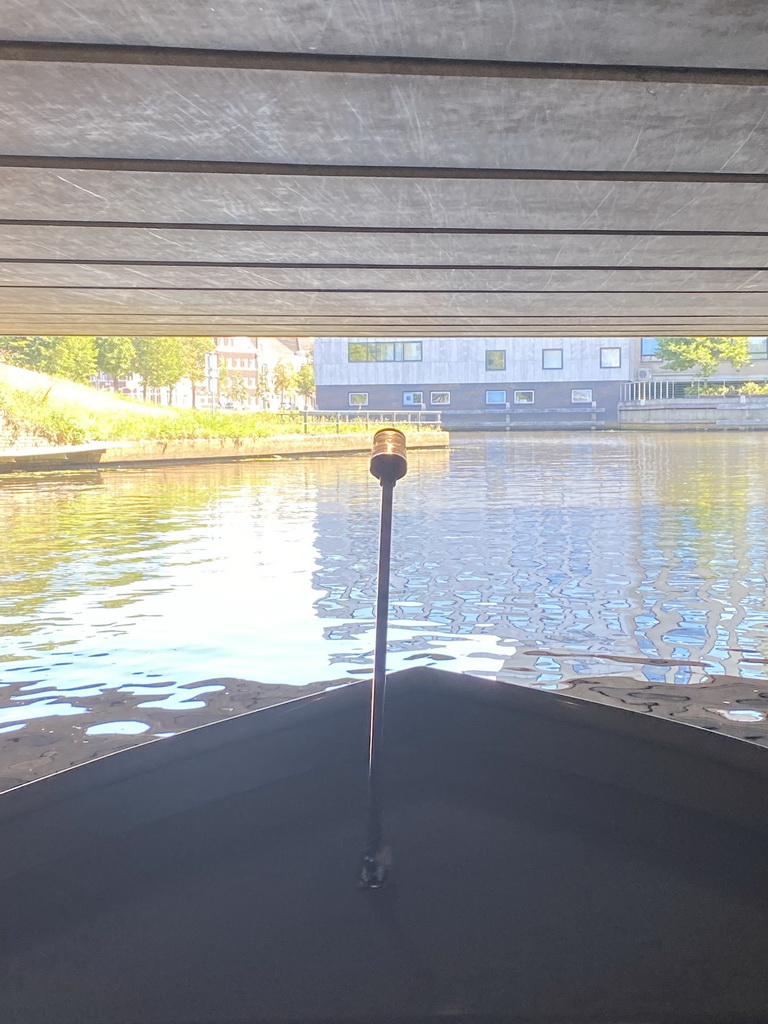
62, 412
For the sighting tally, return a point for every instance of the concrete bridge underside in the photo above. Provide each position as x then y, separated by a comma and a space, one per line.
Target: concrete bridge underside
402, 167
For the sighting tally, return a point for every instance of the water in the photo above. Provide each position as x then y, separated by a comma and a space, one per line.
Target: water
627, 568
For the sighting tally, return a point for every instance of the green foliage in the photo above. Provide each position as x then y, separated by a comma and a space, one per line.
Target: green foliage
193, 353
283, 380
116, 356
29, 412
28, 352
232, 386
184, 424
305, 382
748, 387
71, 414
159, 361
71, 356
163, 361
263, 385
703, 354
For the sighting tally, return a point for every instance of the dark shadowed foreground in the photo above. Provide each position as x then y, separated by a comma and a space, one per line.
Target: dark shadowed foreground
553, 860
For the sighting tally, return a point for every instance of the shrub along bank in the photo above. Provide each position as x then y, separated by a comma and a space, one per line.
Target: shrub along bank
78, 414
27, 415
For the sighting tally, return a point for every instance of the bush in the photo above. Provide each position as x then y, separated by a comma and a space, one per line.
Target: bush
188, 424
749, 387
38, 412
28, 412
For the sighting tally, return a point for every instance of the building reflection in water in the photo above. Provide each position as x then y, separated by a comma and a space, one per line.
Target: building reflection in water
635, 560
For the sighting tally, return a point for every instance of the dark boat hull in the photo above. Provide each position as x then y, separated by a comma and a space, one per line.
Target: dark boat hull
552, 861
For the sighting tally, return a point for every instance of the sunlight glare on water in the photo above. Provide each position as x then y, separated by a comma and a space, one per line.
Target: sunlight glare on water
160, 596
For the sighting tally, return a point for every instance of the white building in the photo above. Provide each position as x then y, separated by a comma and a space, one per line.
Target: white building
249, 358
557, 380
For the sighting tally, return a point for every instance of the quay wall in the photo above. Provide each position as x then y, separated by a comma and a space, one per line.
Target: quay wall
205, 449
711, 413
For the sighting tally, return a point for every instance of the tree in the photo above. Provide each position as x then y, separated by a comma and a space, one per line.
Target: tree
27, 351
159, 361
264, 387
703, 354
194, 351
72, 356
283, 381
305, 383
115, 356
232, 386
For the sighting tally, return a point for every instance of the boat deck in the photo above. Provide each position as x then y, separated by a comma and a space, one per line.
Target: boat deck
552, 861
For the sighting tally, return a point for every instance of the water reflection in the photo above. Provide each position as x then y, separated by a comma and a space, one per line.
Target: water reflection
626, 553
617, 565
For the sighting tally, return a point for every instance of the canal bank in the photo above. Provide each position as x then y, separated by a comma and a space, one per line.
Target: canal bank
227, 449
740, 412
737, 412
110, 454
51, 423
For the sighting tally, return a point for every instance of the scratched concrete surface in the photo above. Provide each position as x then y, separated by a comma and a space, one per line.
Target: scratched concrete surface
609, 180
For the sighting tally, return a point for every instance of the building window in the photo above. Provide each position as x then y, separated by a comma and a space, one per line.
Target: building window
649, 348
523, 397
552, 359
610, 358
440, 397
358, 398
758, 348
581, 394
495, 397
384, 351
496, 359
412, 398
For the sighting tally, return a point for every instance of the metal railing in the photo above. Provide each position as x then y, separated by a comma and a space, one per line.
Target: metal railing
664, 390
312, 419
416, 418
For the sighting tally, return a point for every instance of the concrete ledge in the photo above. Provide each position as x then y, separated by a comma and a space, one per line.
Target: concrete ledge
223, 449
51, 457
709, 413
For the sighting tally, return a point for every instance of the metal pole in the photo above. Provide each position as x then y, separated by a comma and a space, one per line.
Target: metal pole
388, 464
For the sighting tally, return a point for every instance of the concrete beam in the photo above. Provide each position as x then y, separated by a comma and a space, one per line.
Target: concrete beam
243, 201
696, 33
178, 113
556, 166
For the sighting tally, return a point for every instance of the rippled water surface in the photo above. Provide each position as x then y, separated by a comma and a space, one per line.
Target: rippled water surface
631, 568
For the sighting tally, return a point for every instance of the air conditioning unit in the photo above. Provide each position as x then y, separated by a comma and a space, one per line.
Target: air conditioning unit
644, 373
